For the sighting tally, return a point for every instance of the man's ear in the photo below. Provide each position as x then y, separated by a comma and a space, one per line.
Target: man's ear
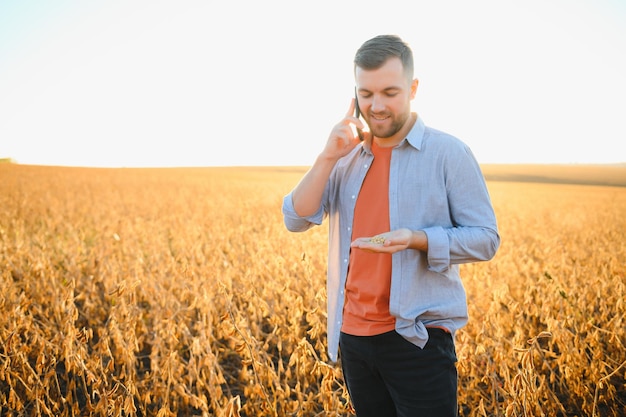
414, 84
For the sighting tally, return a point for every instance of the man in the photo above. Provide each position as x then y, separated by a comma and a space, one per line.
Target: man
406, 206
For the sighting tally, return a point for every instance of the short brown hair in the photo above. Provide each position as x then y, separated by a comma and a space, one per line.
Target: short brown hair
376, 51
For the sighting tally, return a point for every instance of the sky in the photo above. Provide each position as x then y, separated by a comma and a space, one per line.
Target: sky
138, 83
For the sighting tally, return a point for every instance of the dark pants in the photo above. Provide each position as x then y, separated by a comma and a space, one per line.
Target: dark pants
388, 376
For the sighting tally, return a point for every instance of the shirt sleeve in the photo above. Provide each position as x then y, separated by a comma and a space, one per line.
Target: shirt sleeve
473, 234
294, 222
438, 249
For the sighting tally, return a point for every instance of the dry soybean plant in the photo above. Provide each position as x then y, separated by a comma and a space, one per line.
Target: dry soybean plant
164, 292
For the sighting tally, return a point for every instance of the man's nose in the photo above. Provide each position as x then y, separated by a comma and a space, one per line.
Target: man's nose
378, 104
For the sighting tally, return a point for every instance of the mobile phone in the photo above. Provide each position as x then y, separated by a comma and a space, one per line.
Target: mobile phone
357, 113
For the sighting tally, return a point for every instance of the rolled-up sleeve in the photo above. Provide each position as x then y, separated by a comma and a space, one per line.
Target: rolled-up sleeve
294, 222
438, 249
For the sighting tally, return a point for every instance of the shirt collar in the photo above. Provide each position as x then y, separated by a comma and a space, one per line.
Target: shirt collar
416, 134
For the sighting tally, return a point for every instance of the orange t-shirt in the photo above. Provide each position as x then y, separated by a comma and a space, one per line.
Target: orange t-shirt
366, 308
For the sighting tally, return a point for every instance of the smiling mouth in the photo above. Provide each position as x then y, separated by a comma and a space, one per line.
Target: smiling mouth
379, 118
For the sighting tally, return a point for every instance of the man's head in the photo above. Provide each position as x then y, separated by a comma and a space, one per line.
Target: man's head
383, 71
376, 51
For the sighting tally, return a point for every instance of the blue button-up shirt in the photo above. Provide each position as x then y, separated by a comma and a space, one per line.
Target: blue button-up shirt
435, 185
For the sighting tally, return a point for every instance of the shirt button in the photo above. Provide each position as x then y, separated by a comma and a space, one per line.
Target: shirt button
345, 260
353, 196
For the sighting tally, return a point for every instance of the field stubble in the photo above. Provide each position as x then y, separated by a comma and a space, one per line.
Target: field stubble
168, 292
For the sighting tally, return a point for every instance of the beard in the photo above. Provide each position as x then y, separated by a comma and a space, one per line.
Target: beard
397, 122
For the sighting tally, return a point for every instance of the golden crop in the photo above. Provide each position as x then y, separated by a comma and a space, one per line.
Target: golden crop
164, 292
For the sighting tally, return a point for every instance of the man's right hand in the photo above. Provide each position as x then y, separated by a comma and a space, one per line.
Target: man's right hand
307, 196
343, 138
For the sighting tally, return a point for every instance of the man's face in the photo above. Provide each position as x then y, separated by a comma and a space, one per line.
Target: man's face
385, 96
